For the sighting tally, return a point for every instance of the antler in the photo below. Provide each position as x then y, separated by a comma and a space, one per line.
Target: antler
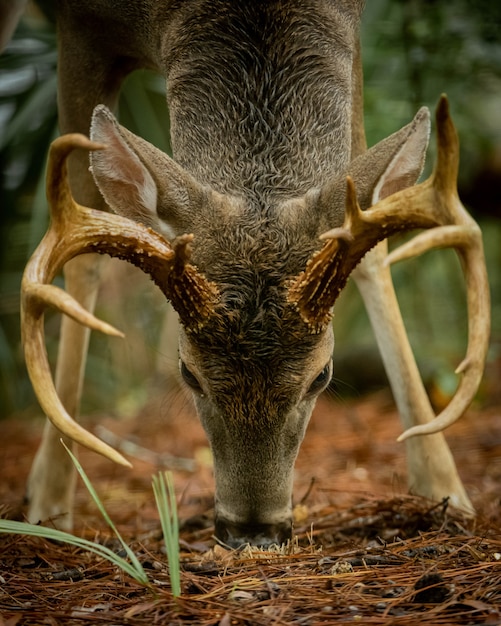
76, 230
435, 205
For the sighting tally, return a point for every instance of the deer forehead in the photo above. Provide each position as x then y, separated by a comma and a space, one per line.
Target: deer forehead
258, 241
261, 353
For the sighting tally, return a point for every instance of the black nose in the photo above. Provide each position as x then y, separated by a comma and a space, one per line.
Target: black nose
262, 535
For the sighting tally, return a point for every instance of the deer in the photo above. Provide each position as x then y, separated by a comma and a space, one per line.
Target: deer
270, 202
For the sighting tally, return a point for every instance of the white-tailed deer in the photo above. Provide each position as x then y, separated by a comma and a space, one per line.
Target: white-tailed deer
251, 232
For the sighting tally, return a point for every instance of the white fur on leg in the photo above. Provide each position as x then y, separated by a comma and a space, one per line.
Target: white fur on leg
432, 472
51, 484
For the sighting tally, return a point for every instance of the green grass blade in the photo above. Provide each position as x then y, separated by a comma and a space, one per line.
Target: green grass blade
163, 488
22, 528
134, 560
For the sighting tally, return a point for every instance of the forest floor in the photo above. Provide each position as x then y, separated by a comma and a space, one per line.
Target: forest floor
364, 551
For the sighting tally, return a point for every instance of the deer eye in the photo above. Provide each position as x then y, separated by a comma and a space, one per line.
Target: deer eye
322, 380
189, 378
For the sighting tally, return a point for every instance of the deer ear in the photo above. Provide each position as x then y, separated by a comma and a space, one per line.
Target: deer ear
123, 180
139, 181
407, 157
392, 164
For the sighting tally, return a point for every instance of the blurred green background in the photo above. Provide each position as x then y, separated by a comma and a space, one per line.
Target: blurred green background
413, 51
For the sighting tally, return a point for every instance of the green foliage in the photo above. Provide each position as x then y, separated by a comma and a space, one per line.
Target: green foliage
27, 125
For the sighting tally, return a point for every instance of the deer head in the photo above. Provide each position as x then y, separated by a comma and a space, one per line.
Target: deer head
254, 290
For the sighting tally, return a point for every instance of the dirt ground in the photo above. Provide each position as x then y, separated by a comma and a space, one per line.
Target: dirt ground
364, 552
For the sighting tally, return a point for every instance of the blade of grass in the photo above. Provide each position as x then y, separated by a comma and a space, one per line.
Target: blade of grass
163, 488
53, 534
134, 560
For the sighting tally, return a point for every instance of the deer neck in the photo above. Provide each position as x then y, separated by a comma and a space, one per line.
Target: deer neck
261, 107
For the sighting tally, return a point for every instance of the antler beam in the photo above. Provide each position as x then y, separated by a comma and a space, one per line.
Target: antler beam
76, 230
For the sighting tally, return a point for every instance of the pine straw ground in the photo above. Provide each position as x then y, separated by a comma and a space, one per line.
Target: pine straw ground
364, 552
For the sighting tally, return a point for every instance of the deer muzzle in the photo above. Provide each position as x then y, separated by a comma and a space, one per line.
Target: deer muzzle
253, 503
236, 535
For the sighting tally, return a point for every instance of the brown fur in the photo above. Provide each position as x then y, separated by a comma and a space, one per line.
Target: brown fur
266, 116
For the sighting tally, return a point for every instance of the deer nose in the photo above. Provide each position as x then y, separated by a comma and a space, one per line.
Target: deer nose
237, 535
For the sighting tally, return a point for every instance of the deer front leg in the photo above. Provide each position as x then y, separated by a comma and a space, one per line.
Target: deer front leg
431, 469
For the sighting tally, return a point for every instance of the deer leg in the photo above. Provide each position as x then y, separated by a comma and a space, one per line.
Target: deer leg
431, 469
83, 83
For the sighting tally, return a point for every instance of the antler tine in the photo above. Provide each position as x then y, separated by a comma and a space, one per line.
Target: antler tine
315, 290
51, 254
76, 230
463, 234
37, 293
40, 375
434, 205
